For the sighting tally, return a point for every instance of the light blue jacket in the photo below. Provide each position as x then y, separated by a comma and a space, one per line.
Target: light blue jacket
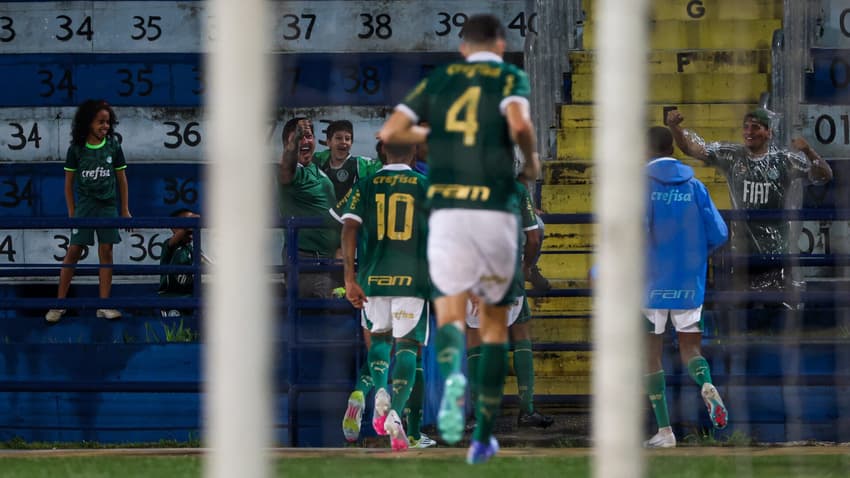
683, 228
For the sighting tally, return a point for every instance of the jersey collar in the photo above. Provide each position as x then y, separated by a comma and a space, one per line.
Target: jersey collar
483, 56
396, 167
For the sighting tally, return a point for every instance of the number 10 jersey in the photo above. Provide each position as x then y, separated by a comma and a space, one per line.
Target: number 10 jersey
392, 245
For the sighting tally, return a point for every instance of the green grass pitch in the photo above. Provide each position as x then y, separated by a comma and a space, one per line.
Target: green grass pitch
572, 463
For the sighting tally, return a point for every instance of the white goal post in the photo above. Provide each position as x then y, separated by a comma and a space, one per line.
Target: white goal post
620, 90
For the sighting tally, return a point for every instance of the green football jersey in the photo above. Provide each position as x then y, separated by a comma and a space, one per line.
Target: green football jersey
528, 222
311, 194
525, 209
470, 149
759, 183
392, 250
176, 284
94, 169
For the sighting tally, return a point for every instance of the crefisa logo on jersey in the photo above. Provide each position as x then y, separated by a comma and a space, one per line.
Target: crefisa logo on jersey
668, 197
96, 173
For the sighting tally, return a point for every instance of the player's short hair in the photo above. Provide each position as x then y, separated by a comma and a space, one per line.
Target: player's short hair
399, 150
181, 211
660, 141
292, 124
760, 116
482, 28
379, 151
340, 125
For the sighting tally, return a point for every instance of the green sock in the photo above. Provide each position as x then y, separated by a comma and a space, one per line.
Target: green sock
364, 381
491, 382
414, 403
450, 341
655, 388
404, 374
473, 357
524, 368
379, 359
699, 370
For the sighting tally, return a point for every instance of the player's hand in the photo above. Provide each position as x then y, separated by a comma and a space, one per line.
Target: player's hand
355, 295
126, 213
800, 144
294, 143
674, 118
475, 301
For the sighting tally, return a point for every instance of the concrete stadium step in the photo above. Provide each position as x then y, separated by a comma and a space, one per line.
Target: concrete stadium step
689, 61
688, 88
575, 172
704, 10
578, 142
566, 266
697, 116
563, 385
704, 34
544, 330
578, 198
560, 305
559, 364
568, 237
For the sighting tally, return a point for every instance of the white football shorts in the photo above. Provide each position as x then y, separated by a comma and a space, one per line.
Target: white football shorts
473, 322
684, 320
473, 250
399, 314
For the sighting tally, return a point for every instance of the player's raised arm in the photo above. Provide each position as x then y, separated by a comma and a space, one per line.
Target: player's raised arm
820, 171
399, 129
688, 141
523, 135
289, 160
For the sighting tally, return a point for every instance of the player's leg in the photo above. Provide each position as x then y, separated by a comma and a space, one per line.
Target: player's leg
491, 380
106, 238
379, 366
403, 381
73, 255
353, 417
409, 329
467, 251
689, 327
520, 334
378, 311
79, 239
104, 254
656, 387
536, 278
364, 378
451, 311
473, 362
413, 412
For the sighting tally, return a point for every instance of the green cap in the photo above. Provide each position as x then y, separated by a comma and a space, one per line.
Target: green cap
759, 115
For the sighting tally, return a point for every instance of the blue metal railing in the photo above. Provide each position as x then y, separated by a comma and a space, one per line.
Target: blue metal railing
52, 269
723, 258
294, 304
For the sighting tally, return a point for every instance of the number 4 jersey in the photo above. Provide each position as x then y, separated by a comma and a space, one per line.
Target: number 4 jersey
470, 149
392, 243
